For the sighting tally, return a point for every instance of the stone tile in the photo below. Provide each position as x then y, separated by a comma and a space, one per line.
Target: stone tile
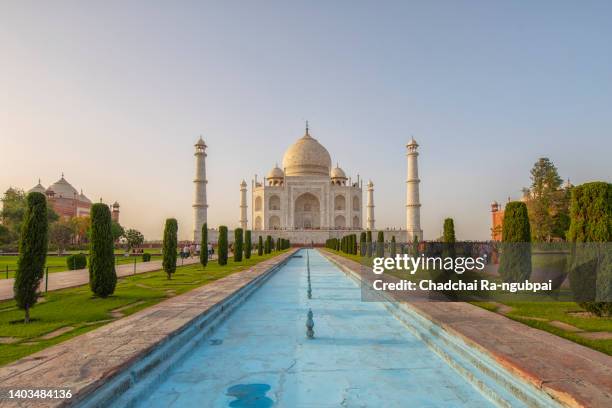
596, 335
58, 332
564, 326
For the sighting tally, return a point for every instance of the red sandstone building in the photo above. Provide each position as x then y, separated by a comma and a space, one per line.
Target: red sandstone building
67, 202
497, 220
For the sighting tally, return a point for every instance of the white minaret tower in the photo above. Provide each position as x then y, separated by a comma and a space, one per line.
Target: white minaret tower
243, 205
200, 208
370, 207
413, 206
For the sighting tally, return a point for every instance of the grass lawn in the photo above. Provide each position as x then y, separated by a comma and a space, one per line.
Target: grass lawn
540, 314
58, 263
77, 308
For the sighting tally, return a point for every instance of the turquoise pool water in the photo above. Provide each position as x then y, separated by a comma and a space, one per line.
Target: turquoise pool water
361, 356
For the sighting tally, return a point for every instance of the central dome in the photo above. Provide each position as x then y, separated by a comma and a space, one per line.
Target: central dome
307, 157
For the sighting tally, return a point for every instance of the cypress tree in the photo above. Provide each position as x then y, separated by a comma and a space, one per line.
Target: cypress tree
238, 245
222, 245
362, 244
248, 246
170, 247
278, 244
260, 248
204, 246
590, 230
268, 244
380, 244
32, 253
369, 244
448, 237
102, 275
415, 246
515, 262
392, 250
449, 231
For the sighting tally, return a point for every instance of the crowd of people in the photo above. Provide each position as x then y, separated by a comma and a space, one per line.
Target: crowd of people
191, 250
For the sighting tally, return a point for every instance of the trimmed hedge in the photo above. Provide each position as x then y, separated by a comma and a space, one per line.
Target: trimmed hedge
204, 246
102, 274
170, 247
268, 245
146, 257
248, 247
222, 245
238, 245
448, 238
32, 253
380, 244
515, 260
260, 246
590, 270
77, 261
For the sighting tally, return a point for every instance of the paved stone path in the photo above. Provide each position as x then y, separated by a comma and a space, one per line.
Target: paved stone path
83, 363
78, 277
574, 375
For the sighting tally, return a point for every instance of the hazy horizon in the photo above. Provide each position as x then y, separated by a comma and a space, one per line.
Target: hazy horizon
115, 95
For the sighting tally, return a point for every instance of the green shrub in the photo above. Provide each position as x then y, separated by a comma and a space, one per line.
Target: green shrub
369, 244
392, 247
590, 229
32, 253
238, 245
448, 238
204, 246
380, 244
248, 247
515, 260
222, 245
260, 246
362, 244
102, 275
268, 245
146, 257
76, 261
170, 247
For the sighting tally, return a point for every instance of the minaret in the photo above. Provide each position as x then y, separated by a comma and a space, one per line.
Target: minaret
413, 206
115, 211
200, 208
243, 206
370, 211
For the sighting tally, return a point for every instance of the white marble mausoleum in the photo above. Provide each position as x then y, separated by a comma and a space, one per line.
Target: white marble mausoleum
307, 200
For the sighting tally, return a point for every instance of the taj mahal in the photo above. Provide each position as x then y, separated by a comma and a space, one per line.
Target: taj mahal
308, 200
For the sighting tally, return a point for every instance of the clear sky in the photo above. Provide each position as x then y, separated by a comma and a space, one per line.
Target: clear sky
115, 93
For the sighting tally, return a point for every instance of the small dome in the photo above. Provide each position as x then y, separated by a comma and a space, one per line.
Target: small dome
115, 205
276, 172
200, 142
62, 188
37, 188
412, 142
337, 172
307, 157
